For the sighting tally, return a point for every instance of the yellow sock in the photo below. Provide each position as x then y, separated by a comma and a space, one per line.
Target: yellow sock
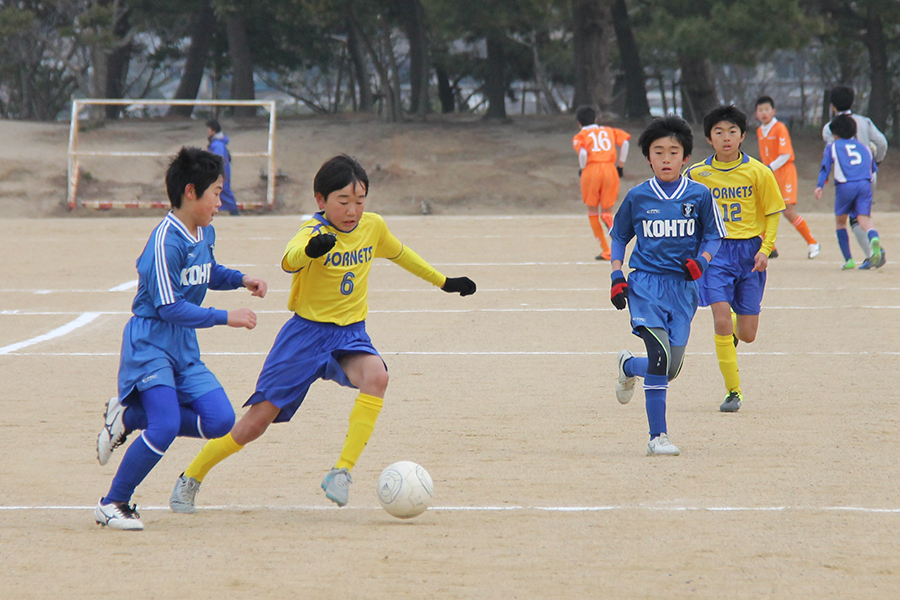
362, 423
214, 452
727, 354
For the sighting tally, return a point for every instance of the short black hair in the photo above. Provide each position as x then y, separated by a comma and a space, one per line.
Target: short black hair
192, 166
728, 113
670, 126
842, 97
214, 125
586, 115
843, 126
765, 100
337, 173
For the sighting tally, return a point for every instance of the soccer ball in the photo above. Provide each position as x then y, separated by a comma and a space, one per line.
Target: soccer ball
405, 489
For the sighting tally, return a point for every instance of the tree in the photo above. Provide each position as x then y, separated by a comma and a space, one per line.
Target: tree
202, 25
636, 105
590, 44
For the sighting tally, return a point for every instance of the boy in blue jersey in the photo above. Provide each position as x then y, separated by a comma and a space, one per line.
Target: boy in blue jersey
330, 259
678, 230
751, 205
853, 168
165, 390
218, 144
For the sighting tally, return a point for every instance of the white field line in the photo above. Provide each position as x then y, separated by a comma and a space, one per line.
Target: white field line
511, 508
84, 319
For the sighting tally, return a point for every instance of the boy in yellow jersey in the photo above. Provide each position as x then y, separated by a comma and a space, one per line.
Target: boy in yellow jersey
330, 259
777, 153
751, 204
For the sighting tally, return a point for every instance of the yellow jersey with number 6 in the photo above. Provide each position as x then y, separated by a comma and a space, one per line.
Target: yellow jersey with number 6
745, 190
334, 288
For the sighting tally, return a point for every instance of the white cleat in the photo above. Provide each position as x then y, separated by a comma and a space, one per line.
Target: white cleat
184, 495
625, 384
113, 433
813, 250
118, 515
661, 446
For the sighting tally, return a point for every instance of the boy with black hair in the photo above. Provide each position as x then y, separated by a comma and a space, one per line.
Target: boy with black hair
853, 172
330, 259
777, 153
678, 230
751, 204
599, 169
866, 132
165, 390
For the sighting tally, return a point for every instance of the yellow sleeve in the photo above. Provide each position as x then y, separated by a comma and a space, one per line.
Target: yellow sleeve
295, 257
771, 232
773, 202
416, 265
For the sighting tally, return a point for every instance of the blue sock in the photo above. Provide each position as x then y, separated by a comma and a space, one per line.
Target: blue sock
655, 400
636, 367
872, 233
137, 463
844, 243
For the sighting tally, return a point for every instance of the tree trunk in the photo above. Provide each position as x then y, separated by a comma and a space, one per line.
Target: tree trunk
636, 105
117, 64
413, 14
241, 64
592, 55
698, 88
879, 96
202, 26
358, 58
495, 83
445, 91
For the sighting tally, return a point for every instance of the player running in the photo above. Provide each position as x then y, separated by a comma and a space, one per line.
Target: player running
678, 229
329, 259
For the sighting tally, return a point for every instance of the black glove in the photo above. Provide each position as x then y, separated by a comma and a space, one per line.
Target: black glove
320, 244
693, 268
620, 171
619, 293
459, 285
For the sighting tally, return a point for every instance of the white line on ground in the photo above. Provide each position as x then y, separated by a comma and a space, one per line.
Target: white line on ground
84, 319
124, 287
637, 507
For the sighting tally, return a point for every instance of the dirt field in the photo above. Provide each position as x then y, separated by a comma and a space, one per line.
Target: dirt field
506, 397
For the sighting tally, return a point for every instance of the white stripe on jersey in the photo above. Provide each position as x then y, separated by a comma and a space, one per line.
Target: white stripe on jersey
163, 284
657, 189
839, 176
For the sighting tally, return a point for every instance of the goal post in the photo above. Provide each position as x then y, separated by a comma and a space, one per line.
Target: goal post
75, 153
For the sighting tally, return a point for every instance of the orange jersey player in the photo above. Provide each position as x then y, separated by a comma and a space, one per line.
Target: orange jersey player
600, 169
777, 153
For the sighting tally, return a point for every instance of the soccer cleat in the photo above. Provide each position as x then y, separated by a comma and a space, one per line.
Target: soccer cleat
118, 515
337, 486
662, 446
625, 384
865, 265
882, 258
875, 246
113, 433
602, 256
732, 402
850, 264
813, 250
773, 253
184, 494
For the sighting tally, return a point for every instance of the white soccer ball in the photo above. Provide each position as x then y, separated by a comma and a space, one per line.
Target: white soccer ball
405, 489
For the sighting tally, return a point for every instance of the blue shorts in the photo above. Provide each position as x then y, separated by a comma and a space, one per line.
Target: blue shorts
304, 352
155, 352
667, 302
853, 198
729, 277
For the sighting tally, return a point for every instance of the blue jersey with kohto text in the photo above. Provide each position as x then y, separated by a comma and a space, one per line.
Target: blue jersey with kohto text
669, 227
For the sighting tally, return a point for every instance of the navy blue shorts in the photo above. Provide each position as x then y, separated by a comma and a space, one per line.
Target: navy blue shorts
729, 277
667, 302
853, 198
304, 352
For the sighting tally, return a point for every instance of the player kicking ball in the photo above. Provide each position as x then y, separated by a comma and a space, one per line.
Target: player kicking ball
329, 259
678, 230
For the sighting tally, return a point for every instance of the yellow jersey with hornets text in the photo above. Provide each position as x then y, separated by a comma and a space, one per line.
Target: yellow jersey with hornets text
745, 190
334, 288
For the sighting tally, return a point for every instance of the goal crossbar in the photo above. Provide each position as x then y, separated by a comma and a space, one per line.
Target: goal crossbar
74, 166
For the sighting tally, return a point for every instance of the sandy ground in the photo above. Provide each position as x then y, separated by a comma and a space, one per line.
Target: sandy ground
454, 165
506, 397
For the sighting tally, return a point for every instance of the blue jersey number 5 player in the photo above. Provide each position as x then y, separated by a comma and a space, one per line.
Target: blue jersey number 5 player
678, 229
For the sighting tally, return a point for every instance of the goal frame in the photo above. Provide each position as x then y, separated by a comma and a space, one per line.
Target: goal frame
74, 165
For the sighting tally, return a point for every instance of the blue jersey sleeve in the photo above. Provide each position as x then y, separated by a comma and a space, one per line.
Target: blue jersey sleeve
223, 278
164, 282
825, 169
623, 224
185, 314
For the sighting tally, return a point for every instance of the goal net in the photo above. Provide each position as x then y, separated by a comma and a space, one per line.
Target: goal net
76, 153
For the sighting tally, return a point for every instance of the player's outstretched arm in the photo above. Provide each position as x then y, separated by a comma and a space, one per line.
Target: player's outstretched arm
242, 317
257, 287
320, 244
459, 285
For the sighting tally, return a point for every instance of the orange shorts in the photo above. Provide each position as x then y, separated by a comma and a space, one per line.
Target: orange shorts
786, 177
600, 185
